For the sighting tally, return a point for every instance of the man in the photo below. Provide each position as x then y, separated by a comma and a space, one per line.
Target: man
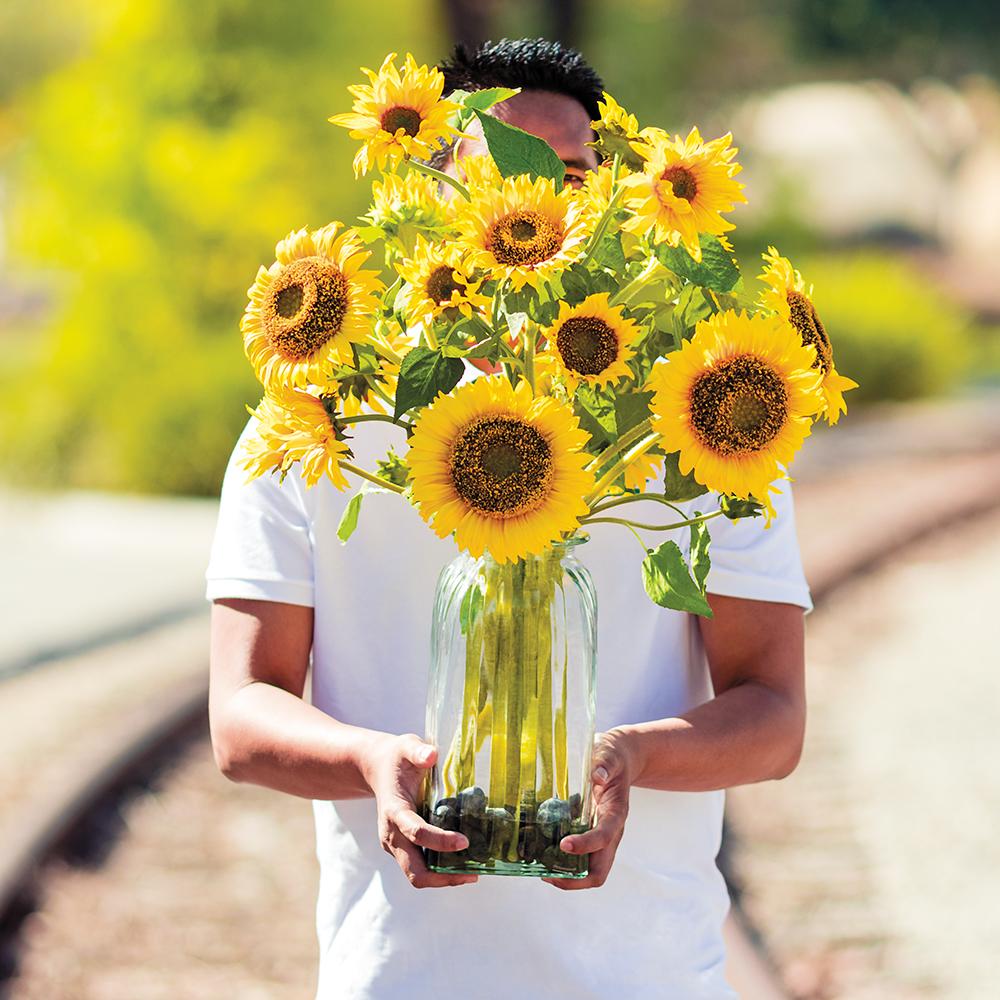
647, 921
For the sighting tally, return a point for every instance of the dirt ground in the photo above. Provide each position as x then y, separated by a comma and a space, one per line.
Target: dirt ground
874, 869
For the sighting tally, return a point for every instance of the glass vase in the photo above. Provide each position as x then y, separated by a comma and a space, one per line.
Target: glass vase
511, 709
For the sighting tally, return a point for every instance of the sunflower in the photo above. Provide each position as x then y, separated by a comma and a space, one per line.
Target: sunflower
683, 189
594, 195
309, 306
479, 171
499, 467
371, 376
439, 279
295, 426
590, 342
398, 115
524, 231
648, 465
414, 198
616, 132
788, 296
736, 401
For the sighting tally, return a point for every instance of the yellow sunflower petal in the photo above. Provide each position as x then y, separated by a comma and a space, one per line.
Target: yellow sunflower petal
502, 469
736, 401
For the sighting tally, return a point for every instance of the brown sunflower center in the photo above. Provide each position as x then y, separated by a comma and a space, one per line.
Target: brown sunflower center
805, 319
739, 405
587, 345
407, 119
683, 182
501, 466
306, 307
441, 284
524, 238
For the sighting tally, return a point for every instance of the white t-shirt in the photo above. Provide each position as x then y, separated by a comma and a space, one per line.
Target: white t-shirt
654, 928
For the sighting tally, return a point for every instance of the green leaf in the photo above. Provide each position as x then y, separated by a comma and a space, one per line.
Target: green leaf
483, 100
677, 486
631, 408
700, 562
422, 375
668, 581
349, 519
734, 508
717, 269
693, 305
518, 152
609, 253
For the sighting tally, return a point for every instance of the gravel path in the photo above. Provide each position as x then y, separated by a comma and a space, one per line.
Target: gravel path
875, 867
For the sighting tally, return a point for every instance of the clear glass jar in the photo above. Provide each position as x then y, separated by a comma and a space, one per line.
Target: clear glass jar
511, 709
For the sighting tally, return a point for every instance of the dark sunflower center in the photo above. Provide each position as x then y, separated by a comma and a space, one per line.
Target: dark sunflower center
522, 239
501, 466
306, 307
407, 119
441, 284
738, 406
805, 319
683, 182
587, 345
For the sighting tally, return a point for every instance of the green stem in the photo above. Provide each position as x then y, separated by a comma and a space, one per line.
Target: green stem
609, 477
443, 178
360, 418
626, 293
652, 527
625, 441
371, 477
602, 226
633, 498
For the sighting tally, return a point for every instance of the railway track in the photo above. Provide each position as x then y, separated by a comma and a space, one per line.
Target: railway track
82, 819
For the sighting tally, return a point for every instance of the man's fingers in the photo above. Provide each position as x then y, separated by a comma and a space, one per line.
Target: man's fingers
411, 861
421, 833
598, 870
608, 830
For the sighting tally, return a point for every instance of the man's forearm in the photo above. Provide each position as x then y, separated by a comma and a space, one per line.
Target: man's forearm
267, 736
748, 733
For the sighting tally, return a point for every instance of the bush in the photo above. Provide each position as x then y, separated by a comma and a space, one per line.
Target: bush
892, 332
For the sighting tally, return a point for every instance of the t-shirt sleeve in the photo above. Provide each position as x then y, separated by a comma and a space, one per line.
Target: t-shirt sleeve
263, 547
762, 564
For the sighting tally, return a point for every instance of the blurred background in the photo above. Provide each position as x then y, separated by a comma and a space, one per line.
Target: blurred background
151, 154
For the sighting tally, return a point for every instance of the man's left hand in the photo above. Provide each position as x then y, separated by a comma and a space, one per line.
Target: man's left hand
612, 779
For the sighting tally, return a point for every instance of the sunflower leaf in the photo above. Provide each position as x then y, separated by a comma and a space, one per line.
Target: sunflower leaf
483, 100
518, 152
631, 408
349, 519
677, 486
716, 270
668, 581
700, 562
734, 508
422, 375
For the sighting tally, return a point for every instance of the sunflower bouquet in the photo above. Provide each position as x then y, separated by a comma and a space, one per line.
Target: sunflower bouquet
622, 361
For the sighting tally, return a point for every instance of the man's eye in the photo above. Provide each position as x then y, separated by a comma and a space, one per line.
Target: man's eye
573, 180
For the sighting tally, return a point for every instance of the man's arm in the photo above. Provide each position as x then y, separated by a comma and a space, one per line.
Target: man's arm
752, 730
265, 734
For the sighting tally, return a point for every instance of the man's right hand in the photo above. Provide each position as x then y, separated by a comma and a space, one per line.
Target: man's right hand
394, 771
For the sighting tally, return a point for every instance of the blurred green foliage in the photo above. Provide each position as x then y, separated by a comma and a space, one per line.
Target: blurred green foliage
156, 169
892, 332
153, 152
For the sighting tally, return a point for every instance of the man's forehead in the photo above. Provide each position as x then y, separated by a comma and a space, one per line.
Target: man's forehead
558, 113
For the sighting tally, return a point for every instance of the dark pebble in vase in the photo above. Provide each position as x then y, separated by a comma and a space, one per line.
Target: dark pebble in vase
445, 816
472, 801
576, 805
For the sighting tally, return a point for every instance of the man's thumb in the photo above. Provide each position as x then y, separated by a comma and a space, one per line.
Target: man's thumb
418, 752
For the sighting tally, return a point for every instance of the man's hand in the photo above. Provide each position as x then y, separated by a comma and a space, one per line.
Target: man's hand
394, 771
612, 780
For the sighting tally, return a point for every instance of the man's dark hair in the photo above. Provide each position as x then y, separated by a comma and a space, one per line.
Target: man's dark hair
528, 63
